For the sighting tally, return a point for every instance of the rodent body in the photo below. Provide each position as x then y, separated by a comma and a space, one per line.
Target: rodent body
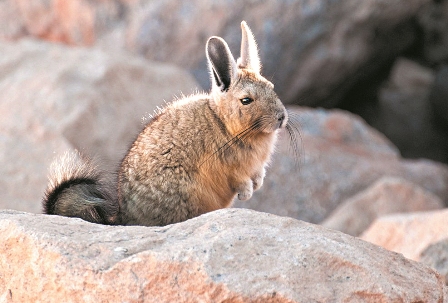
193, 157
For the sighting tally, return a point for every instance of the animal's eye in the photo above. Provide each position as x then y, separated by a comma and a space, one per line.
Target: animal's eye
246, 101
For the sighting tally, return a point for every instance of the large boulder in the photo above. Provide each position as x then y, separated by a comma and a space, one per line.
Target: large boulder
225, 256
433, 20
386, 196
408, 234
56, 98
340, 156
75, 22
309, 49
436, 256
407, 109
314, 51
438, 97
25, 159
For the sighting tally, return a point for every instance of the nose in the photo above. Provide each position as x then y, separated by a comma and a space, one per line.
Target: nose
281, 119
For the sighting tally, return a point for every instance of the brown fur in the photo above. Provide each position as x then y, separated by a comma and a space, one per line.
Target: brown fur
201, 151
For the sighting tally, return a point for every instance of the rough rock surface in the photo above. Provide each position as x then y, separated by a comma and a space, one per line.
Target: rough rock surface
340, 156
408, 234
386, 196
332, 40
56, 98
24, 165
225, 256
436, 256
438, 97
433, 19
404, 112
400, 106
77, 22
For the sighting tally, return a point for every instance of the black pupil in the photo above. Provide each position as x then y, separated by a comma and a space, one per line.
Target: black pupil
246, 100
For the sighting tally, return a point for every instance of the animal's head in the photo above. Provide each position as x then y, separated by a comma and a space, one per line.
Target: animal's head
245, 100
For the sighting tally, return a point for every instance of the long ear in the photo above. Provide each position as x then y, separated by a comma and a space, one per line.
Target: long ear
222, 65
249, 51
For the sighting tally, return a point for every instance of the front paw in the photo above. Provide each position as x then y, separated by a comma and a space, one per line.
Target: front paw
245, 190
258, 178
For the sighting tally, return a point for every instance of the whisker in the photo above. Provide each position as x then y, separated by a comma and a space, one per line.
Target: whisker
233, 140
258, 126
261, 126
250, 131
293, 145
293, 128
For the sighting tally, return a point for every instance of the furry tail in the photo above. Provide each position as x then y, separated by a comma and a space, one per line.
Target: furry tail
78, 189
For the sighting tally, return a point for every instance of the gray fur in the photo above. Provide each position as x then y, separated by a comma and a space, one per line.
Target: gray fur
78, 189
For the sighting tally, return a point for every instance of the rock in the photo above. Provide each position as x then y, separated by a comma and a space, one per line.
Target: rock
433, 19
12, 25
24, 162
56, 98
438, 97
436, 256
229, 255
95, 100
75, 22
408, 234
408, 76
318, 45
406, 105
333, 41
403, 110
405, 115
340, 156
386, 196
439, 108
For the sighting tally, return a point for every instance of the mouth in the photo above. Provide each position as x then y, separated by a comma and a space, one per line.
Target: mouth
280, 123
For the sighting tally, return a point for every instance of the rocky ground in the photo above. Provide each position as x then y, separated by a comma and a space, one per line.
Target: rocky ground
115, 61
231, 255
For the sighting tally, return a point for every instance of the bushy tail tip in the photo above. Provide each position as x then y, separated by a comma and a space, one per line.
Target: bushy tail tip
78, 189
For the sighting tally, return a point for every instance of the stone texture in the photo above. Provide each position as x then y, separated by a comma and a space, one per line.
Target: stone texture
386, 196
408, 234
405, 107
225, 256
436, 256
76, 22
340, 156
318, 44
56, 98
408, 76
438, 97
24, 162
433, 19
405, 115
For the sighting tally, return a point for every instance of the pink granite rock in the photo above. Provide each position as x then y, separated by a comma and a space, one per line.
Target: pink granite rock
230, 255
408, 234
340, 156
56, 98
386, 196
